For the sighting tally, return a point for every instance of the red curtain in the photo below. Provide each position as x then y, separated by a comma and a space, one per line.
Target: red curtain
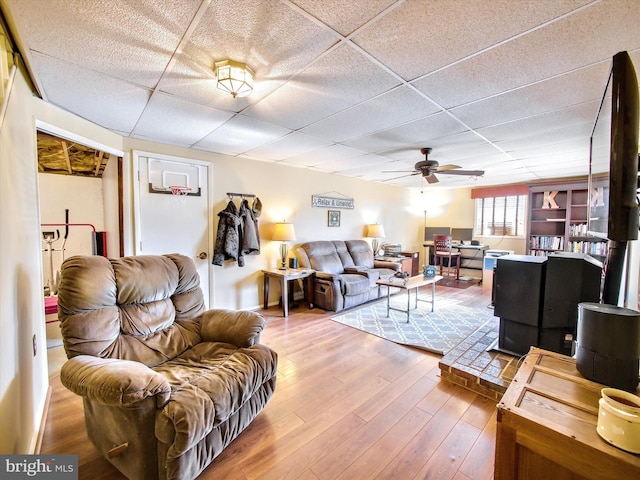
500, 191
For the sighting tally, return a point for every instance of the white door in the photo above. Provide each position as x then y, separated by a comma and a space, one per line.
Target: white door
169, 223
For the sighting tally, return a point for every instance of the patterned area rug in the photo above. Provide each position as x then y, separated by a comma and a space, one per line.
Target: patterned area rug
437, 332
464, 282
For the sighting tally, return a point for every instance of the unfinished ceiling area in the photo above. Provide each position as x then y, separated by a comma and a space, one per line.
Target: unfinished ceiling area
349, 87
61, 156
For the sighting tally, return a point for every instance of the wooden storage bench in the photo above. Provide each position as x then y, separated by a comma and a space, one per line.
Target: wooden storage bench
547, 426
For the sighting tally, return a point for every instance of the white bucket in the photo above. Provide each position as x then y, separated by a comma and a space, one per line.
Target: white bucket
619, 419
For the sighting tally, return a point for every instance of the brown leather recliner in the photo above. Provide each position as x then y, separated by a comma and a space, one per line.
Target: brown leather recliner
166, 385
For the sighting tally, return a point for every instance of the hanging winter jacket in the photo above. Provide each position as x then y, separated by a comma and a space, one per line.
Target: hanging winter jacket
228, 240
250, 235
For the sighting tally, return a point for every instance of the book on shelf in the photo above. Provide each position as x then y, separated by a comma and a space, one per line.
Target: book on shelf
578, 230
547, 242
592, 248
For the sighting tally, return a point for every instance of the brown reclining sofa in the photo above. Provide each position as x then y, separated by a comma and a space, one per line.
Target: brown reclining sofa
346, 272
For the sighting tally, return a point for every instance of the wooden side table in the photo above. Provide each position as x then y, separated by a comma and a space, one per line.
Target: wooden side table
283, 276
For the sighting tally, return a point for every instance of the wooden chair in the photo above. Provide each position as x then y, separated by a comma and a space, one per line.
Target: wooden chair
442, 249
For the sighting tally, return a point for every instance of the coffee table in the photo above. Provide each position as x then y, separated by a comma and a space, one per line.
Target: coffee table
411, 283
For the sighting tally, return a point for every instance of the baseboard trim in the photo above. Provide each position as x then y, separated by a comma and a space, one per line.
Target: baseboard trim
43, 421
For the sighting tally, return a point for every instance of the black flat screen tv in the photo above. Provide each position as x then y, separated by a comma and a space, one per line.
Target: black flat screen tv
613, 170
429, 232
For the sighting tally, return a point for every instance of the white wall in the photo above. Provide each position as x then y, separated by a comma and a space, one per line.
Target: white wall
23, 375
83, 197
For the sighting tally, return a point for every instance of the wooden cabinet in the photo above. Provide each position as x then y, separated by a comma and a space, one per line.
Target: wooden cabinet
547, 426
558, 220
413, 268
405, 262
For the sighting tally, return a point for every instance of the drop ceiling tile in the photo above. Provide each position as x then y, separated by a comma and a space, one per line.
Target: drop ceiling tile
353, 165
101, 99
579, 165
399, 106
344, 17
196, 83
370, 172
540, 124
584, 85
337, 81
561, 171
413, 181
239, 135
176, 121
587, 37
420, 131
511, 168
132, 41
555, 155
549, 139
331, 153
295, 143
460, 148
259, 34
442, 34
312, 79
399, 167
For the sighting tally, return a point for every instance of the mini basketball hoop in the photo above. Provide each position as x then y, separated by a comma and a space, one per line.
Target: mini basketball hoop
178, 190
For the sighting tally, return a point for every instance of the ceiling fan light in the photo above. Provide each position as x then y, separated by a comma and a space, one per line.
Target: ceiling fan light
233, 77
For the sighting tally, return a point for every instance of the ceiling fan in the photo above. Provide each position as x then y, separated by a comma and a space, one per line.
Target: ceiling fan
428, 168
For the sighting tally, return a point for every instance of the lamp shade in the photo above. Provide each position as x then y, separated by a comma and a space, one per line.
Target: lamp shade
283, 232
234, 77
375, 230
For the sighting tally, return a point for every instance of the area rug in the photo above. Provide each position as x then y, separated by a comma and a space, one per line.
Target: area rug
438, 332
464, 282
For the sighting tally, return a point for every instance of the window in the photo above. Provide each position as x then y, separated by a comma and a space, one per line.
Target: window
501, 216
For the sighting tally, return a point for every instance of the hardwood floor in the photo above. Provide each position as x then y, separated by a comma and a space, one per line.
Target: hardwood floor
348, 405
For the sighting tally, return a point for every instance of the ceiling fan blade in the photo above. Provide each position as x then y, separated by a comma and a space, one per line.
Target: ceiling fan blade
442, 168
469, 173
401, 176
431, 178
412, 172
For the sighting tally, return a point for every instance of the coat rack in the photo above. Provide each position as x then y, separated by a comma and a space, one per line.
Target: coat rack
243, 195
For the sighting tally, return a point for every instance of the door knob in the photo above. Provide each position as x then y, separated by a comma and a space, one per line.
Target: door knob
202, 255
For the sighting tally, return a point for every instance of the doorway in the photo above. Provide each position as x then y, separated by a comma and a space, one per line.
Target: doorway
80, 201
172, 211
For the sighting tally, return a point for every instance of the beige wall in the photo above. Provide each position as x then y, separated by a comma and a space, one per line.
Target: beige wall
285, 193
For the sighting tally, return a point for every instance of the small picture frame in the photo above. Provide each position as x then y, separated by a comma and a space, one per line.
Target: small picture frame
334, 218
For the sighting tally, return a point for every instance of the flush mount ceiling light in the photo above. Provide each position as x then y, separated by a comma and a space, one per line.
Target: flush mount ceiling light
234, 77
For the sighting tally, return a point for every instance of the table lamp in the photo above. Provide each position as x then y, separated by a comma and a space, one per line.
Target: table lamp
375, 231
283, 232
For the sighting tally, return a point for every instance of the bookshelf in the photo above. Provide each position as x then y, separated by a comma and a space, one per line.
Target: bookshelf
558, 220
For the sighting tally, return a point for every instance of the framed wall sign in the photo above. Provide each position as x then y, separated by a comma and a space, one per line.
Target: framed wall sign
332, 202
334, 218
